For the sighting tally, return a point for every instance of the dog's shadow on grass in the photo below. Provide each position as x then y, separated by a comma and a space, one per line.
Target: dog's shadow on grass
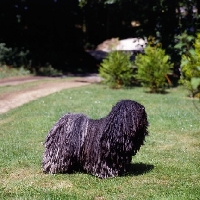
137, 169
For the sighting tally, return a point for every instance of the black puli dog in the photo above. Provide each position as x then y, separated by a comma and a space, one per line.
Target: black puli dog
102, 147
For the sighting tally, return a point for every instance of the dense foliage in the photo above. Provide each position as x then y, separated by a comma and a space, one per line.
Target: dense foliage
184, 43
190, 67
6, 71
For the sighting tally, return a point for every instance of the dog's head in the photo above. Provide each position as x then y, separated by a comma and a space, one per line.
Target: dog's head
130, 116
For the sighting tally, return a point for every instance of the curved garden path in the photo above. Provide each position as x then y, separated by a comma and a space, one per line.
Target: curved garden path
39, 87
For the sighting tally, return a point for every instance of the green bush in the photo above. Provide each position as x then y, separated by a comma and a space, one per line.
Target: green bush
184, 43
116, 69
153, 67
190, 67
3, 52
15, 57
47, 70
6, 71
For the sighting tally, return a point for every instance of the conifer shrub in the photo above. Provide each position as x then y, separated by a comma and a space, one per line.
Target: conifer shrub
116, 70
153, 67
190, 67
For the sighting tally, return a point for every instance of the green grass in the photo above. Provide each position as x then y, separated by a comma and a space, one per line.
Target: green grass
166, 167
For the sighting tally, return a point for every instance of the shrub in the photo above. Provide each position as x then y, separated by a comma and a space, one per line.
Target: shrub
3, 52
15, 57
6, 71
153, 67
184, 43
47, 70
116, 69
190, 64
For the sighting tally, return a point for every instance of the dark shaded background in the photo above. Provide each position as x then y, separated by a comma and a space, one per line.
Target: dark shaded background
58, 32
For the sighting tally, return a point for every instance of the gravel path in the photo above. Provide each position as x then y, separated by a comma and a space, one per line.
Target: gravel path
12, 100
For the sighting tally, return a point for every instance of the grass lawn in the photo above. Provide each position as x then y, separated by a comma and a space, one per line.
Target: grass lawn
166, 167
